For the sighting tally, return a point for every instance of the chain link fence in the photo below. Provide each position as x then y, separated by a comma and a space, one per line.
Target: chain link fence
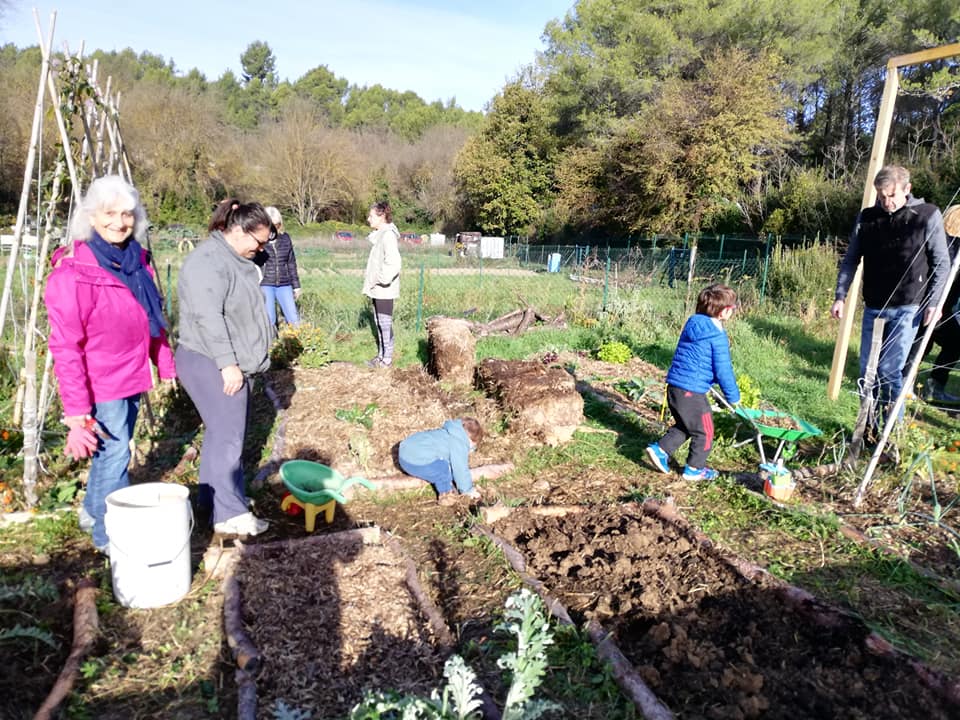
482, 284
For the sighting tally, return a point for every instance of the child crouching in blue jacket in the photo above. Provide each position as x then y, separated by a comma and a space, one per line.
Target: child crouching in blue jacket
702, 358
440, 457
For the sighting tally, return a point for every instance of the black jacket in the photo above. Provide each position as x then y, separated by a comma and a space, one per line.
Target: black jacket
905, 259
280, 267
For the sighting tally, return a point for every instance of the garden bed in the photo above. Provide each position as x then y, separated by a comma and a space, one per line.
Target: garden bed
714, 637
326, 618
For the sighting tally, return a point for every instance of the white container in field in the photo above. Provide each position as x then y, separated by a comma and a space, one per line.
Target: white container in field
491, 247
149, 529
553, 262
438, 239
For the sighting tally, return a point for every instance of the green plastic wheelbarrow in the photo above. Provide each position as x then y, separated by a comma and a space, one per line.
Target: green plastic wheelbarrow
763, 423
316, 488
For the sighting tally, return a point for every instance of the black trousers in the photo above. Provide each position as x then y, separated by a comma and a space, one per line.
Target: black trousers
693, 420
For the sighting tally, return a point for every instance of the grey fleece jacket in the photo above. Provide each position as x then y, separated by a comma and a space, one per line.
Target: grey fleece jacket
222, 314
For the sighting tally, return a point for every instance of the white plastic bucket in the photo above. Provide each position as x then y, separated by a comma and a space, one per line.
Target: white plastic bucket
149, 529
553, 262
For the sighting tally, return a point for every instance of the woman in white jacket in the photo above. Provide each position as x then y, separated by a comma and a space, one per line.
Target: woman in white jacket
381, 281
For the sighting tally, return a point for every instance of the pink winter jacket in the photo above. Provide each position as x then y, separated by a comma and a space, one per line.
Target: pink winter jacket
99, 334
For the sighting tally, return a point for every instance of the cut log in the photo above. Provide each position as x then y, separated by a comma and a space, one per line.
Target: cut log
86, 627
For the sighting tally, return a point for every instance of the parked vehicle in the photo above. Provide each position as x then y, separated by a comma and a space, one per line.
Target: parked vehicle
411, 238
344, 235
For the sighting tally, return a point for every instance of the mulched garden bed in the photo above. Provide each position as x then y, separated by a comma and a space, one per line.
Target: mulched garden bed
329, 617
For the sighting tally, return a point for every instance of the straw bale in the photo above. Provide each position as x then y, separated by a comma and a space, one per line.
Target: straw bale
541, 401
452, 346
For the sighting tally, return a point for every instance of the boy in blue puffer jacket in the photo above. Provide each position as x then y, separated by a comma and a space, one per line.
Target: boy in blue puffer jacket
702, 358
440, 457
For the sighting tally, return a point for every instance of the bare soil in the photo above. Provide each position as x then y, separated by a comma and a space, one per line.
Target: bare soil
709, 641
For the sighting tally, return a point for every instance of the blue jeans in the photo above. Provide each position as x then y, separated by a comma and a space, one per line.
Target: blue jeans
438, 473
108, 470
899, 331
282, 294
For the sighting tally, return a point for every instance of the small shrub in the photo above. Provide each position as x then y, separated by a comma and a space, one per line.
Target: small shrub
304, 345
614, 352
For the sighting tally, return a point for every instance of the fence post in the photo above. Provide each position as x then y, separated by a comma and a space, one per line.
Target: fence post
606, 283
420, 299
720, 255
766, 268
169, 289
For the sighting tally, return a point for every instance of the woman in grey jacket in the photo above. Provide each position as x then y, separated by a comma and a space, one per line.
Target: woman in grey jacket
225, 337
381, 281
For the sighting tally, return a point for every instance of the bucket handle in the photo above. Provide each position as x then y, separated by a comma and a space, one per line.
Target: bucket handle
180, 550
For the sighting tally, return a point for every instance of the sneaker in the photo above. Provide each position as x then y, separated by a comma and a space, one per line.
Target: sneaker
660, 460
704, 473
933, 391
374, 362
246, 524
85, 520
473, 495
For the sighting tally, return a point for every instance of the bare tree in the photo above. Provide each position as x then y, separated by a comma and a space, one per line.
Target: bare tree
304, 166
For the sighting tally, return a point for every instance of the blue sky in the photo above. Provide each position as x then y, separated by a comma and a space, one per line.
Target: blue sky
440, 50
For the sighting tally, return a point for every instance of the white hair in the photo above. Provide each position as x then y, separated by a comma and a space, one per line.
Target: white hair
275, 217
107, 192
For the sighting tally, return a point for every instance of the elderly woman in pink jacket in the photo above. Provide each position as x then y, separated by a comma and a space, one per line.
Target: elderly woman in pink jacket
106, 328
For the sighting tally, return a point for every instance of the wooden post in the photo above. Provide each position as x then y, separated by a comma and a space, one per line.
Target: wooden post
882, 134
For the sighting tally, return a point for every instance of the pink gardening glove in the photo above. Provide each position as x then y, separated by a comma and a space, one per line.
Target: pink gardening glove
82, 442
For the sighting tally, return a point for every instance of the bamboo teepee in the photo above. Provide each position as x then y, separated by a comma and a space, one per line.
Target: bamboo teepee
89, 145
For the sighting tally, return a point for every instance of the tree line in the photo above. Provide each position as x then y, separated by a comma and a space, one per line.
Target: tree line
639, 116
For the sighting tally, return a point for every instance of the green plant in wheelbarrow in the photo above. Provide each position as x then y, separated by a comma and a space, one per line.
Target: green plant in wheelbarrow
459, 699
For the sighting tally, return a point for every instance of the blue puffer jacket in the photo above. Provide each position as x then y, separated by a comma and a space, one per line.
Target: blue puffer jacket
449, 443
702, 358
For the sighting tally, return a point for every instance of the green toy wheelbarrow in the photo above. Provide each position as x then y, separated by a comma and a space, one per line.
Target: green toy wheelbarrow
316, 488
786, 429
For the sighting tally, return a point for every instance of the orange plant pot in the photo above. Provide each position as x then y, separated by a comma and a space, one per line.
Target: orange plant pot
781, 491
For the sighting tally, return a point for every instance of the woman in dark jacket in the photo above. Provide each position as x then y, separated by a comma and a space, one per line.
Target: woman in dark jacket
280, 283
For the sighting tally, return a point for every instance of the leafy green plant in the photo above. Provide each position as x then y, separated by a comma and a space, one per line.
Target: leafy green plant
30, 587
19, 632
524, 616
749, 391
281, 711
614, 352
634, 389
355, 414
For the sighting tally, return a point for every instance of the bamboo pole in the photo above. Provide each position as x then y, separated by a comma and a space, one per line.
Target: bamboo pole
31, 419
27, 171
880, 138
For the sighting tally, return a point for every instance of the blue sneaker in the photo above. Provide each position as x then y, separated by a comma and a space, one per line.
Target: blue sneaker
660, 460
704, 473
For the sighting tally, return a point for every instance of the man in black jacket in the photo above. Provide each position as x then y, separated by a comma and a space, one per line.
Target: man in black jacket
905, 265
